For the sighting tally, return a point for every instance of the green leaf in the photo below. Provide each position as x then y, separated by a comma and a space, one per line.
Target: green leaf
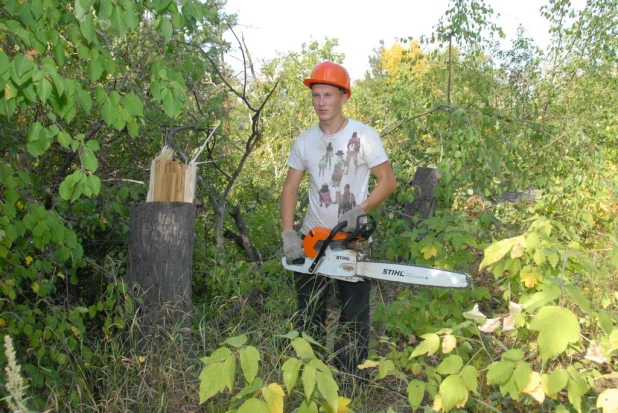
161, 5
497, 251
92, 144
166, 28
254, 406
109, 113
577, 388
499, 372
117, 21
89, 160
219, 354
21, 69
94, 69
539, 258
171, 105
578, 297
513, 355
308, 378
328, 389
44, 89
228, 372
249, 358
532, 241
94, 183
416, 392
308, 407
605, 322
554, 382
302, 348
469, 376
521, 375
210, 381
291, 335
85, 100
385, 367
130, 16
67, 188
450, 365
557, 328
87, 28
134, 105
237, 341
106, 9
133, 129
428, 346
4, 63
290, 373
533, 302
453, 392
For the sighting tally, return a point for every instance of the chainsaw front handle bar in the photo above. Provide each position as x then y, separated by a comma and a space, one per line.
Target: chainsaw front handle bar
363, 230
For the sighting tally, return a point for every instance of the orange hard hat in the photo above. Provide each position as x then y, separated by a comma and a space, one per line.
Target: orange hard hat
331, 74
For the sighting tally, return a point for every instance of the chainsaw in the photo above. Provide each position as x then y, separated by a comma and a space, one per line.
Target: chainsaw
343, 256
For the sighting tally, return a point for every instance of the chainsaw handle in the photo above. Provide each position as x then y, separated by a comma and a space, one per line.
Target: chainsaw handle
325, 244
362, 230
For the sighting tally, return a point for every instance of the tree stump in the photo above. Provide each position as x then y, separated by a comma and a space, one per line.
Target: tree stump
424, 182
159, 267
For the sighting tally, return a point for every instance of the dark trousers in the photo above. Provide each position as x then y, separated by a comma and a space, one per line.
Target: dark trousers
352, 347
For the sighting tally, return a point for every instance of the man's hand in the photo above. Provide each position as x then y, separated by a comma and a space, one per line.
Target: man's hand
351, 217
292, 246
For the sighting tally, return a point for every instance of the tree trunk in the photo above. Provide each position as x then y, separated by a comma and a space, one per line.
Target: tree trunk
160, 262
424, 183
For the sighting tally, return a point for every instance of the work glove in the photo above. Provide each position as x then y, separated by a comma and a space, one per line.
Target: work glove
292, 246
351, 217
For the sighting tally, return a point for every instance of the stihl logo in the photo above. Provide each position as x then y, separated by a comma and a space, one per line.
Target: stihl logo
343, 258
386, 271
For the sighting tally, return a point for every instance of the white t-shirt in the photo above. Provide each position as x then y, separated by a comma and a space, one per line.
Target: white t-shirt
338, 166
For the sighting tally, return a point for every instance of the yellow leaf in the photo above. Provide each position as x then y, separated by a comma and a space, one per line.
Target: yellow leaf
448, 343
429, 252
29, 260
519, 246
530, 276
368, 364
608, 401
437, 404
2, 322
273, 394
534, 388
35, 287
461, 403
19, 205
343, 405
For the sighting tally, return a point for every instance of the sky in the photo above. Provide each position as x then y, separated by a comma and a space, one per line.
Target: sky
271, 26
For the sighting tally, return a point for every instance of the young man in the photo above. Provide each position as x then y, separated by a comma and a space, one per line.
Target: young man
330, 90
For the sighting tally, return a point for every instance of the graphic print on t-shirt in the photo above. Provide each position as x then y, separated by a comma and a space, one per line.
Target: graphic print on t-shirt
338, 172
353, 150
347, 201
325, 198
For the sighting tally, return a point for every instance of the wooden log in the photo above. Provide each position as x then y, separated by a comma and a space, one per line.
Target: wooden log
424, 183
160, 262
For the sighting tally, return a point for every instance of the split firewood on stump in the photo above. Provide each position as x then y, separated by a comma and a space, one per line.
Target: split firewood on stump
159, 267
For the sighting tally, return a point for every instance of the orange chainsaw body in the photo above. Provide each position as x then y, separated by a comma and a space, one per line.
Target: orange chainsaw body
316, 235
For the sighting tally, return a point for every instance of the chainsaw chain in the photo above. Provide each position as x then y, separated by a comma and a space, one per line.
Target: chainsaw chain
468, 278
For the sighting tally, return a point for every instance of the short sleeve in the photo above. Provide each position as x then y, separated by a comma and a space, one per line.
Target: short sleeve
295, 160
372, 148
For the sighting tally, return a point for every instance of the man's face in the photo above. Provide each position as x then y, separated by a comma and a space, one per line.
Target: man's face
327, 101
